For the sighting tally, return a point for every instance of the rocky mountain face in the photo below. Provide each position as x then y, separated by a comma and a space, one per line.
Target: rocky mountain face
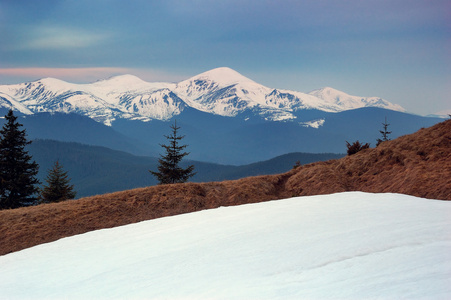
220, 91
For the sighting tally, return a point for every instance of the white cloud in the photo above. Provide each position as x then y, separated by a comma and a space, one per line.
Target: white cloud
49, 37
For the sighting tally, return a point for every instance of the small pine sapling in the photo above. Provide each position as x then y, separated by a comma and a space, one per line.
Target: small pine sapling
297, 164
384, 133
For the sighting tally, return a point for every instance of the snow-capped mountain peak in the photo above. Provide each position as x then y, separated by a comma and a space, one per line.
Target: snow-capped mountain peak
49, 83
121, 80
331, 92
53, 82
222, 77
221, 91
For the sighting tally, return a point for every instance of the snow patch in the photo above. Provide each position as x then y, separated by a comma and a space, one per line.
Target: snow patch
314, 123
350, 245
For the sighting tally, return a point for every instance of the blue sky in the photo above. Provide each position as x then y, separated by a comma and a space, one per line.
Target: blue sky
398, 50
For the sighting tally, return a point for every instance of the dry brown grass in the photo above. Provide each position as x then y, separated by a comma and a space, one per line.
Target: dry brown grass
417, 164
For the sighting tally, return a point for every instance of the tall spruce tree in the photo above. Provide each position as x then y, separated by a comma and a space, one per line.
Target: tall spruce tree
58, 186
169, 170
17, 172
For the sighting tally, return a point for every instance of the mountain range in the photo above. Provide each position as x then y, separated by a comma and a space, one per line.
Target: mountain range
220, 91
225, 117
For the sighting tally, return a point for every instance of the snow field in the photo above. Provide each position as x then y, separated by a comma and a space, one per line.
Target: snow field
342, 246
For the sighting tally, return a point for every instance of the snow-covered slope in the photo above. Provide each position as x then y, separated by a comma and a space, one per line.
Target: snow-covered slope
220, 91
7, 102
343, 246
123, 96
346, 102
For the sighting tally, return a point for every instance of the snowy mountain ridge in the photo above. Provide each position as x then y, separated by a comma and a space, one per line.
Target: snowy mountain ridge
346, 101
221, 91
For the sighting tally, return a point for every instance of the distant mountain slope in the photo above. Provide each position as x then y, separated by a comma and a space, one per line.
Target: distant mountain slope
76, 128
220, 91
92, 169
225, 140
98, 170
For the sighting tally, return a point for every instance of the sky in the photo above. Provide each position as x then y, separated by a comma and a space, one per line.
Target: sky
395, 49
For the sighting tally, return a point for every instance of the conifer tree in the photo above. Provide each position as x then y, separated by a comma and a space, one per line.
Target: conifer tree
169, 170
384, 133
59, 187
356, 147
17, 172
